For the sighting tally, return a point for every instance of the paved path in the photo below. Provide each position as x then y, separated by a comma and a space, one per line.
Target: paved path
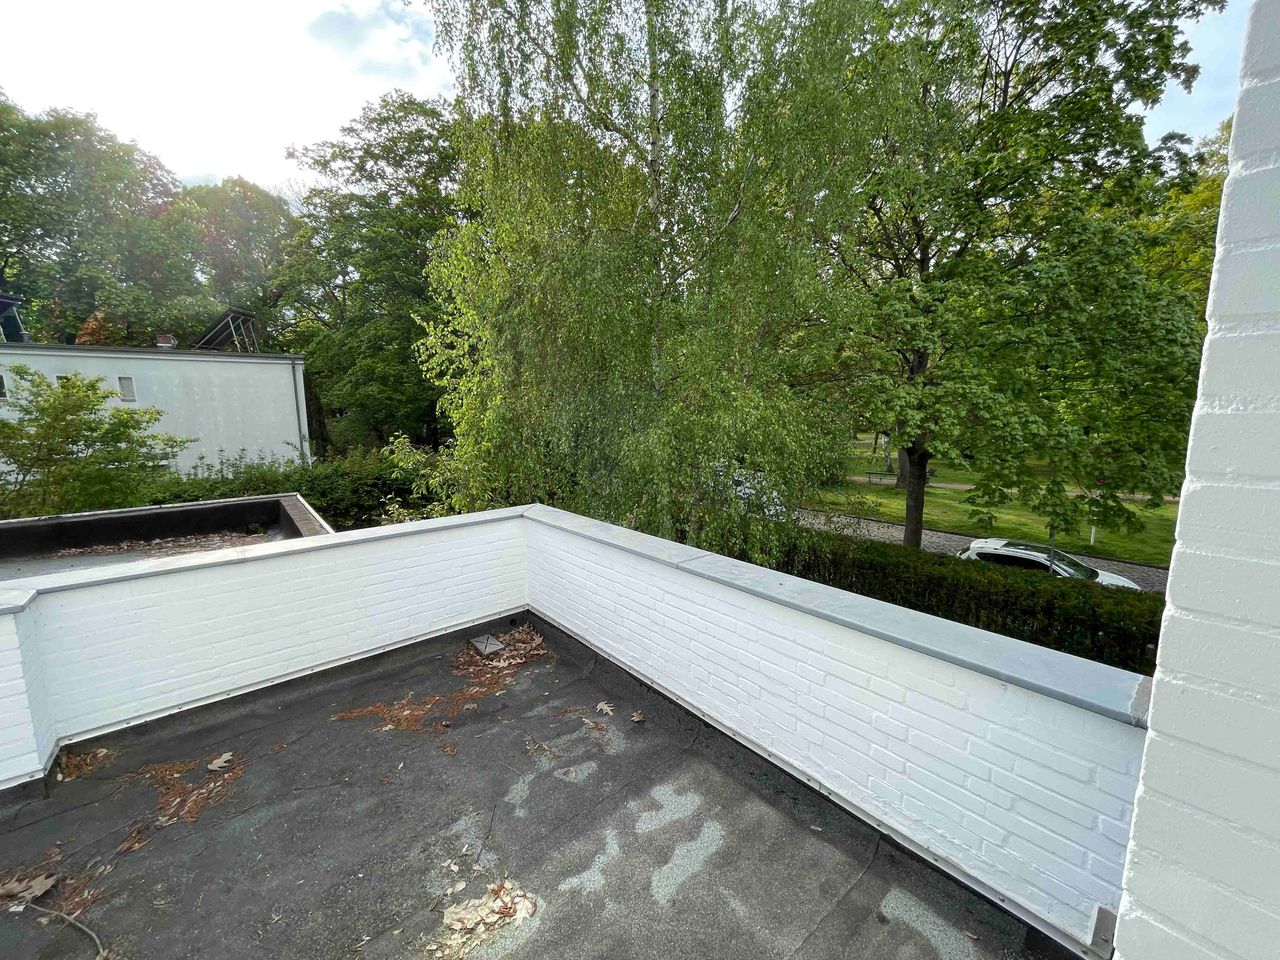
935, 541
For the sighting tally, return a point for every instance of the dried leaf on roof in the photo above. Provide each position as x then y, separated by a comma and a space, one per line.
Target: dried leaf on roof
179, 799
76, 766
24, 889
485, 676
469, 924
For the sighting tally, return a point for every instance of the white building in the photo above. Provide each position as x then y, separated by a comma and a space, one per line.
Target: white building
227, 402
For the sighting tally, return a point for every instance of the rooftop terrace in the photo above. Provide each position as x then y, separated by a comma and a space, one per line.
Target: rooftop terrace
656, 837
1008, 768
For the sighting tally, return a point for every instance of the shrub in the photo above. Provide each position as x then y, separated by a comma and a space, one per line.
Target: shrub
64, 449
1112, 626
349, 491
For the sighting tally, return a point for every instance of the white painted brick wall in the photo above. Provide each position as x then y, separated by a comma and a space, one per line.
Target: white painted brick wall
113, 652
1021, 791
1202, 878
19, 712
976, 754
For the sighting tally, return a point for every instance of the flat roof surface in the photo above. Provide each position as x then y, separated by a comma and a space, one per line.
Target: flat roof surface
84, 558
328, 838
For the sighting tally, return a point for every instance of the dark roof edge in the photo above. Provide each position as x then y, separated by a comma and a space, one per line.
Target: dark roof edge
153, 352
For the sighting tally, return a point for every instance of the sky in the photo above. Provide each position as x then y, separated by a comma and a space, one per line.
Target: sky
218, 89
224, 89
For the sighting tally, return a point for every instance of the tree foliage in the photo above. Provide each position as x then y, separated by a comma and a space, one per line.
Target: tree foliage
711, 240
617, 340
353, 282
95, 231
964, 179
64, 448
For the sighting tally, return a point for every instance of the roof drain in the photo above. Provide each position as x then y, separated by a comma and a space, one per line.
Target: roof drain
486, 644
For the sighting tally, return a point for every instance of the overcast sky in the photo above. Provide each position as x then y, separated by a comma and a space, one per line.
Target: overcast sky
224, 89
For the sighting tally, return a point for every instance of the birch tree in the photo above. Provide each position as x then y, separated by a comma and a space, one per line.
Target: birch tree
613, 347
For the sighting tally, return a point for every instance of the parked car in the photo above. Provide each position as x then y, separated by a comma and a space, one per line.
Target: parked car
1037, 556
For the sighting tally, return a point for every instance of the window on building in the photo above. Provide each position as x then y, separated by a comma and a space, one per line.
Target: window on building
62, 378
127, 393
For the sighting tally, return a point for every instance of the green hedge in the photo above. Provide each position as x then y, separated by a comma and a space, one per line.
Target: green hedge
348, 491
1117, 627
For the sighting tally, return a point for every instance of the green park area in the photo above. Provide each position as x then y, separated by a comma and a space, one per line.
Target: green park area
946, 508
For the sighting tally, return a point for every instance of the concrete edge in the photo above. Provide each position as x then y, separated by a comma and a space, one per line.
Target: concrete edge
15, 599
157, 508
1109, 691
312, 510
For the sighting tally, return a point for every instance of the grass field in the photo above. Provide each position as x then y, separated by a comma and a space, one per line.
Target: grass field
946, 510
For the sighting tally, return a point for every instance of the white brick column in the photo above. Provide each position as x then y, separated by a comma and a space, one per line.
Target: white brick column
1202, 876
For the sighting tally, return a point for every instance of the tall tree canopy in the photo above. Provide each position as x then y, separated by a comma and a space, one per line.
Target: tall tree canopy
965, 176
354, 283
98, 236
617, 344
710, 239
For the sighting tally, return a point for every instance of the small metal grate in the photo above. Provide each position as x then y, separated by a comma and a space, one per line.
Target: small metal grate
486, 644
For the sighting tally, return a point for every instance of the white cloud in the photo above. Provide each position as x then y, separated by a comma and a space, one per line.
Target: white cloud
223, 89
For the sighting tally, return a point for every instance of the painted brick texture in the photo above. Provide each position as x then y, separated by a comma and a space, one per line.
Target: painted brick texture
1023, 792
20, 719
116, 652
1202, 878
1026, 795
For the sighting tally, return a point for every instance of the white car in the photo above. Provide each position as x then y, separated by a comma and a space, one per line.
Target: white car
1036, 556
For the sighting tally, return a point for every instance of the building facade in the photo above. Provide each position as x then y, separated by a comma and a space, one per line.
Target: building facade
228, 403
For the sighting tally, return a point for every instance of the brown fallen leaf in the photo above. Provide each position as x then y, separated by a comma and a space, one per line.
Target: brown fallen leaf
605, 708
221, 762
135, 840
26, 889
637, 717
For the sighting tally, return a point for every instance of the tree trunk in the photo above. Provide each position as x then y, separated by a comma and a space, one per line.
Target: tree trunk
904, 469
918, 476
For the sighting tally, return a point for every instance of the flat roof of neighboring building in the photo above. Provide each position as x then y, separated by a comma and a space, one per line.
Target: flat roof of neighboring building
36, 546
150, 351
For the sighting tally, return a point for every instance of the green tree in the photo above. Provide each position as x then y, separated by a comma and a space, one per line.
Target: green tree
962, 176
104, 244
92, 227
64, 449
617, 340
354, 281
243, 231
1184, 225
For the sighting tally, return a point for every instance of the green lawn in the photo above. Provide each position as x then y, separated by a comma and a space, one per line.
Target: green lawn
946, 510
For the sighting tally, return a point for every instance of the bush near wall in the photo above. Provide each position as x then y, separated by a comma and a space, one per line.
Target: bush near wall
1116, 627
349, 491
